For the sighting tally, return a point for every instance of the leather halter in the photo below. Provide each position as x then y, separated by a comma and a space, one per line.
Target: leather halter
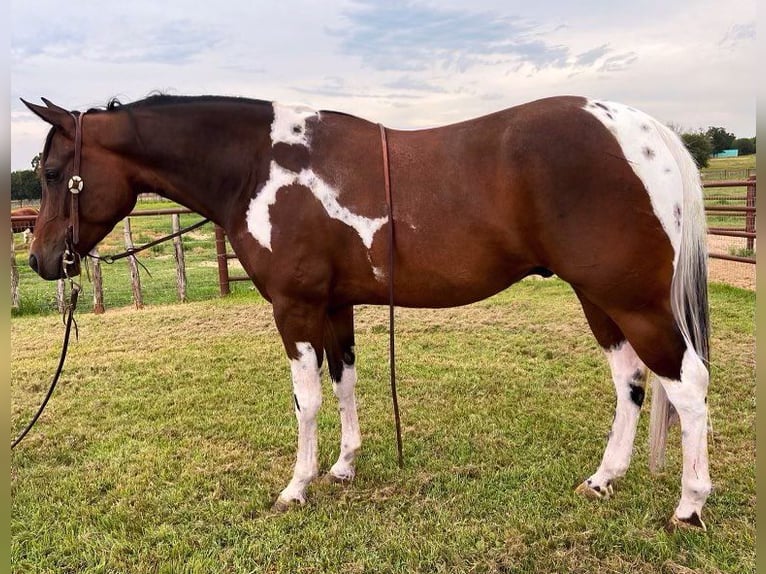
76, 183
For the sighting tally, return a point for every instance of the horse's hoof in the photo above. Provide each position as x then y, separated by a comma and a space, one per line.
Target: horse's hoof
594, 492
282, 505
692, 524
330, 478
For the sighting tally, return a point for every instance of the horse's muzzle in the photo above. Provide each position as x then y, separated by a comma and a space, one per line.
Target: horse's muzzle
33, 263
50, 272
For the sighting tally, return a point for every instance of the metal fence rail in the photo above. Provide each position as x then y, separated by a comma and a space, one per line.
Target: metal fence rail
733, 216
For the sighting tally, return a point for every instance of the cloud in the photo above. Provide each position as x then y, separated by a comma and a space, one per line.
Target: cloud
618, 62
738, 34
403, 35
171, 42
591, 56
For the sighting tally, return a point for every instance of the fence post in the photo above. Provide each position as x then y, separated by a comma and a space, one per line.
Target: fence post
750, 216
180, 262
223, 263
98, 283
14, 277
135, 278
60, 302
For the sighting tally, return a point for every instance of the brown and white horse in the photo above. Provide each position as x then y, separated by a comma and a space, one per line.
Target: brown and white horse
598, 193
23, 220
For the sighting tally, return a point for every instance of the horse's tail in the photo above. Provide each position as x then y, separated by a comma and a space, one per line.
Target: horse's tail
688, 297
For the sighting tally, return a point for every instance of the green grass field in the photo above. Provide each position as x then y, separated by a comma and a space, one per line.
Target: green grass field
172, 432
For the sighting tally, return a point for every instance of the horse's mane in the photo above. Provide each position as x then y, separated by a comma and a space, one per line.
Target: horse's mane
155, 99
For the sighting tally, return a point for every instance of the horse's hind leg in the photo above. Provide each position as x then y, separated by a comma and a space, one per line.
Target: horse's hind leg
339, 346
629, 377
688, 395
684, 377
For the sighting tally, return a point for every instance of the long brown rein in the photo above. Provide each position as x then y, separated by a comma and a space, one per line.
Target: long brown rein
391, 347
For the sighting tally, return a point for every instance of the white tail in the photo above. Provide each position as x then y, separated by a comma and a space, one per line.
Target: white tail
688, 297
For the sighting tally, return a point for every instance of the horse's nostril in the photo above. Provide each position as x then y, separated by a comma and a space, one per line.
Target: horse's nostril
33, 263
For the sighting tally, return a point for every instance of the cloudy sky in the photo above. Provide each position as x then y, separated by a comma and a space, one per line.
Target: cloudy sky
406, 63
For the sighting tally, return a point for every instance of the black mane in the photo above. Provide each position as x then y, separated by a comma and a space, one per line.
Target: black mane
160, 99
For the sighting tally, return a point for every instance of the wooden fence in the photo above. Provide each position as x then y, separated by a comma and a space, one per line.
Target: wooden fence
135, 277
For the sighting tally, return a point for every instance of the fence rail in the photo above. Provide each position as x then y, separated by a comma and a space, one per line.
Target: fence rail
744, 207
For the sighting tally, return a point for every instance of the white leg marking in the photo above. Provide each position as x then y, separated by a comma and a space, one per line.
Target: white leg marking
629, 377
643, 146
308, 398
259, 222
351, 438
688, 398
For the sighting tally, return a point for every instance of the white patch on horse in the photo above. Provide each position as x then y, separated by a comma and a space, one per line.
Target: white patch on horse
258, 219
643, 146
289, 125
328, 196
307, 390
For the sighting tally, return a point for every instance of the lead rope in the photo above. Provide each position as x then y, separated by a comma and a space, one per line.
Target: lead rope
75, 291
391, 346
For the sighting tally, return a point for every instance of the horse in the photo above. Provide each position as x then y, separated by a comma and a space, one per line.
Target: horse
23, 221
596, 192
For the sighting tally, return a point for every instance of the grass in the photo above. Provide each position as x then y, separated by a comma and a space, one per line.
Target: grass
729, 167
172, 432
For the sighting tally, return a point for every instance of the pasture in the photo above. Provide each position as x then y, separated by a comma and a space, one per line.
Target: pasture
172, 432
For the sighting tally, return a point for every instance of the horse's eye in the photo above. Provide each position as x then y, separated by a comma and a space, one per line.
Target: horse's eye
51, 175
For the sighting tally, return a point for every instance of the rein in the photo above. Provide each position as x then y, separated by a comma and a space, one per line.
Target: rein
109, 259
65, 346
391, 341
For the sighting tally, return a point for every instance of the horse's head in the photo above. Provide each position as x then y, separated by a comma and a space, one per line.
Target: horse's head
68, 228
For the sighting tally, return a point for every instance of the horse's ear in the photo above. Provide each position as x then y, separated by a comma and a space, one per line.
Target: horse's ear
53, 114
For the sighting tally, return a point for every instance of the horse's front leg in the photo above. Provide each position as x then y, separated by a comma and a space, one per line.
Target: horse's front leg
301, 327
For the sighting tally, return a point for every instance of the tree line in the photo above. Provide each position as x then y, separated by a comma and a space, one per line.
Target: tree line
702, 144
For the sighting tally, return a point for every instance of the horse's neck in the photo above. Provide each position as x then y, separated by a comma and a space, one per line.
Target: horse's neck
208, 170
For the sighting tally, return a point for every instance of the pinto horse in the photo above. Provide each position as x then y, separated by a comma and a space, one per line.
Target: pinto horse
596, 192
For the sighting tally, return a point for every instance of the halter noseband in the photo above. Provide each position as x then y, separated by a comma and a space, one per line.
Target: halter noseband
75, 185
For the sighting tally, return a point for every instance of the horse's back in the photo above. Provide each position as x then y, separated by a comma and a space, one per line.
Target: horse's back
545, 185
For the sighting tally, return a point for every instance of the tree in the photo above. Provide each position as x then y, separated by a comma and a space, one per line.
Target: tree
25, 184
745, 146
36, 161
720, 138
699, 145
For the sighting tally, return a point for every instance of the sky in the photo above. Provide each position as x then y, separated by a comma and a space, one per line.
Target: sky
405, 63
